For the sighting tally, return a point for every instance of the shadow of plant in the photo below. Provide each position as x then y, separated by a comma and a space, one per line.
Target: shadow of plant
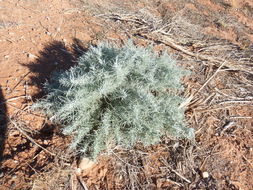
3, 124
54, 57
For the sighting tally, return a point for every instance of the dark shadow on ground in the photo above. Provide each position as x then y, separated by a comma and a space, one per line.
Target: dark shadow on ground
3, 124
54, 57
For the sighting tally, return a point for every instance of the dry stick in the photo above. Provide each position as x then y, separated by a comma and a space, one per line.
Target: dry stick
22, 110
214, 108
189, 99
178, 174
20, 81
29, 138
84, 186
126, 19
247, 161
73, 182
241, 117
236, 102
13, 98
210, 78
205, 159
169, 42
126, 162
35, 171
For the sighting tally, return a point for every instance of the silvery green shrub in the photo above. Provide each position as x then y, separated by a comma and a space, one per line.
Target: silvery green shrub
117, 96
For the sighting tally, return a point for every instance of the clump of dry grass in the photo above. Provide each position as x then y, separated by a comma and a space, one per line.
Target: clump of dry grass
167, 165
58, 174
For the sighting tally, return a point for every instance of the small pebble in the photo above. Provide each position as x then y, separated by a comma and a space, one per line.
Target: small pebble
14, 177
85, 164
205, 174
78, 171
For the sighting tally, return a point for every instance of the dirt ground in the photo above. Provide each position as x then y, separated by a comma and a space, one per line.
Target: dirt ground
211, 38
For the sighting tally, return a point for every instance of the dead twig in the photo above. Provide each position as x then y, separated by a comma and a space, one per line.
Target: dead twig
240, 117
211, 77
20, 81
84, 186
177, 173
251, 165
126, 162
188, 101
181, 176
236, 102
215, 61
73, 181
159, 35
15, 98
233, 97
24, 110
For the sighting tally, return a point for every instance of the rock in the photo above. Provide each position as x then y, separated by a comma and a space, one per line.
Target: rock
78, 172
46, 142
205, 174
85, 164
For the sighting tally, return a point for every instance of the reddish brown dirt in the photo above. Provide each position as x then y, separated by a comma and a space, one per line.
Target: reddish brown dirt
37, 37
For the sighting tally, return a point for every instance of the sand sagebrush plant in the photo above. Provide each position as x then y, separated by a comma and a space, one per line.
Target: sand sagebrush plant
117, 96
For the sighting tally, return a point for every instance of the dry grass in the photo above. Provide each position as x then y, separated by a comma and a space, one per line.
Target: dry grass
57, 175
165, 166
